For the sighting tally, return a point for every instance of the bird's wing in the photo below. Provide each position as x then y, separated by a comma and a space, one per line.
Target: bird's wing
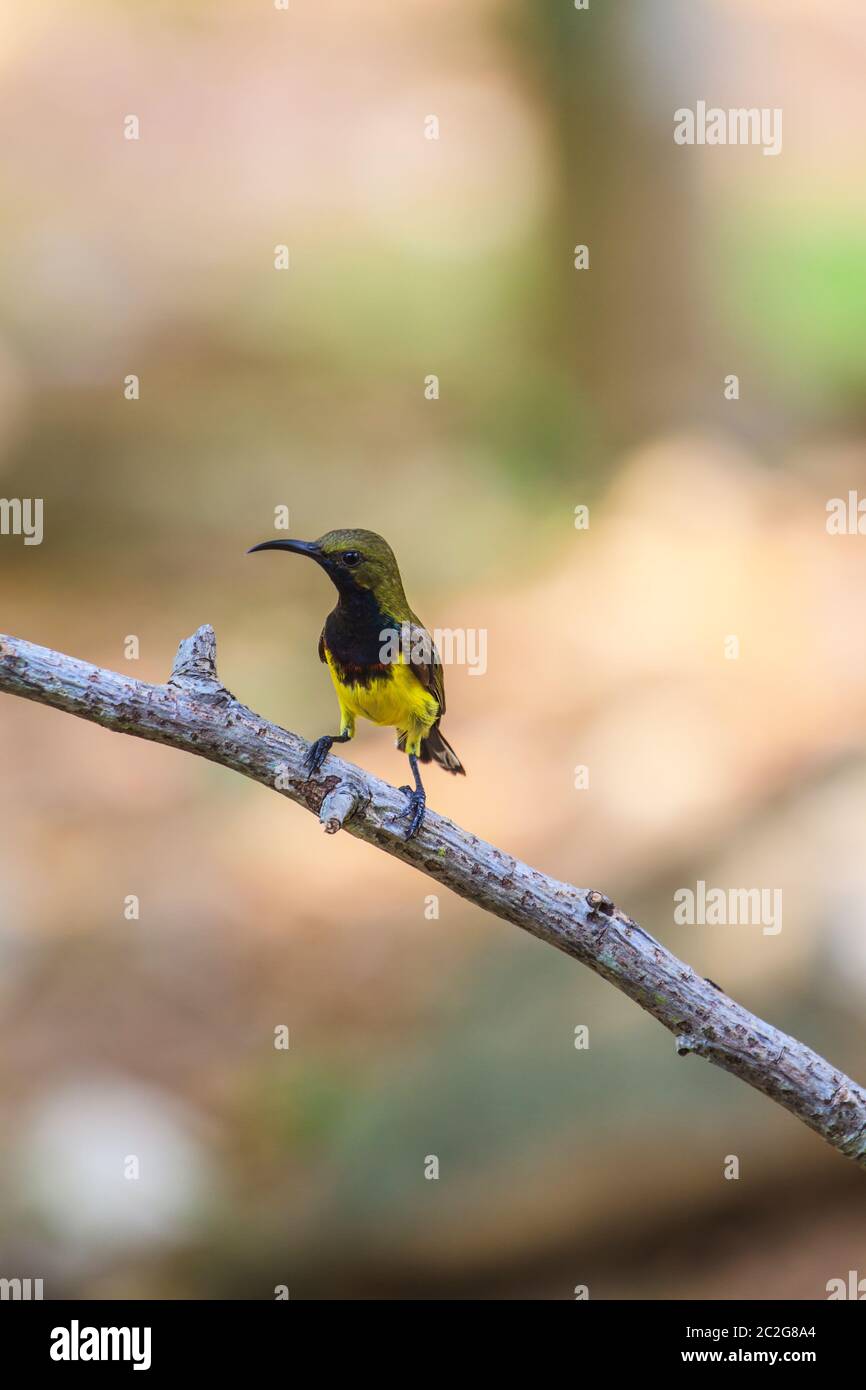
424, 660
322, 656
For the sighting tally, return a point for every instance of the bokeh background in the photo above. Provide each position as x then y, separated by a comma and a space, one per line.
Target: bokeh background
305, 388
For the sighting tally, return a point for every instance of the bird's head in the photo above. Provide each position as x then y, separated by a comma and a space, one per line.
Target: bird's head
353, 560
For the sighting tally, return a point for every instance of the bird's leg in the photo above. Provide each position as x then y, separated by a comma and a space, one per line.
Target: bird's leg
321, 748
417, 800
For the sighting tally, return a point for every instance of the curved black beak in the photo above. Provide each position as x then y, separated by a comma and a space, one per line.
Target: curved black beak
297, 547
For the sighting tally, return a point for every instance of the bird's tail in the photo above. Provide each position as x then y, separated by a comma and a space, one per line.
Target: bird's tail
436, 749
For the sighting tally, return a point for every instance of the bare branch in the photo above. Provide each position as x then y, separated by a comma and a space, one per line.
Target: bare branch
195, 713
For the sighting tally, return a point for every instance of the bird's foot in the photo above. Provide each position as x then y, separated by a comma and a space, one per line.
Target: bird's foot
317, 754
417, 805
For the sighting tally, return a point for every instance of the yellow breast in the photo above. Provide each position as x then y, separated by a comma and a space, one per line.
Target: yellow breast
398, 700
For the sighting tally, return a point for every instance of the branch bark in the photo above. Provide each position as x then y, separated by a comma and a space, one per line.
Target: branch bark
195, 713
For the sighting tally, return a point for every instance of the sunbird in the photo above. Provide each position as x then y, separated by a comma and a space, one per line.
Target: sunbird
382, 660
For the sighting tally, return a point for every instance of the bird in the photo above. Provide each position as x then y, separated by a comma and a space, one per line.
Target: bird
382, 660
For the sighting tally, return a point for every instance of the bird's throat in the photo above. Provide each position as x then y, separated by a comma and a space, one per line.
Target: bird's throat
354, 629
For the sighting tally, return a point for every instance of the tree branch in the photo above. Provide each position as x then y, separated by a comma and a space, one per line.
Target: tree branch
195, 713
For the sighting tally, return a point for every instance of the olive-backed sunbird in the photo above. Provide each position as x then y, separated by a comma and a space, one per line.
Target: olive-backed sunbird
382, 660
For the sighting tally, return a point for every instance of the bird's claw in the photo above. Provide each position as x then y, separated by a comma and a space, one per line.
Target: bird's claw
317, 754
417, 805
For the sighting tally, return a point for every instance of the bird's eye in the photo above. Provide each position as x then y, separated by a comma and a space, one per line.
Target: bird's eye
351, 557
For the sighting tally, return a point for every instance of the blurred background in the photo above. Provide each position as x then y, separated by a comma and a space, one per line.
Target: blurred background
607, 647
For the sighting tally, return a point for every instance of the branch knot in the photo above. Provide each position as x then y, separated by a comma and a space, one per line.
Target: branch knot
339, 804
194, 666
